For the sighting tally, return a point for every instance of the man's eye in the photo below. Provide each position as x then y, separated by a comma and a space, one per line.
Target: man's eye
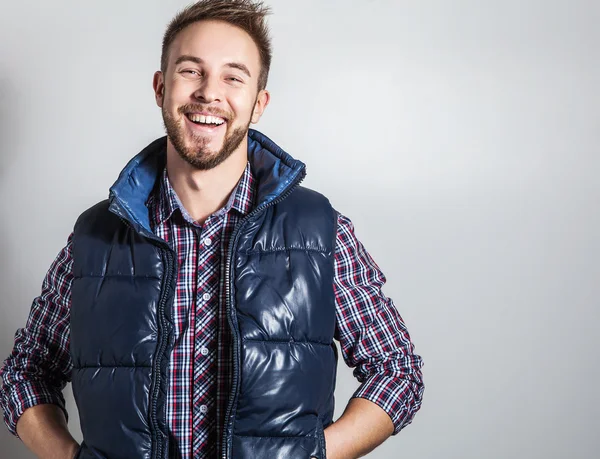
191, 72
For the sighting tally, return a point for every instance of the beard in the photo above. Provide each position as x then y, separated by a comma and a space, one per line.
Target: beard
197, 154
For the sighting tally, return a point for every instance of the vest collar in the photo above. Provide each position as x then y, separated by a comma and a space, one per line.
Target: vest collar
274, 170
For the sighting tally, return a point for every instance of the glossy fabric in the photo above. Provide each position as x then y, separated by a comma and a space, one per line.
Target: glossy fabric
114, 329
283, 276
282, 312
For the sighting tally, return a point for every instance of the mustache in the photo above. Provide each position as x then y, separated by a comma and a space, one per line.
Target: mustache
198, 108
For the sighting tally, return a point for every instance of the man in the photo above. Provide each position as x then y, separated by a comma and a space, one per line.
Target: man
195, 310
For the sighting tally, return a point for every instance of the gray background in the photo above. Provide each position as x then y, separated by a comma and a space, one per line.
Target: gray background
460, 137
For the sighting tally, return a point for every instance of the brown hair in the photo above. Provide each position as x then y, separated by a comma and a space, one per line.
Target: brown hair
248, 15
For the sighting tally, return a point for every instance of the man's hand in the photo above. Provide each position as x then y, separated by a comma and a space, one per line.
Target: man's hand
43, 429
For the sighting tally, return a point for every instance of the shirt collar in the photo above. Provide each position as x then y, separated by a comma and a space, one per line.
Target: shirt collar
165, 202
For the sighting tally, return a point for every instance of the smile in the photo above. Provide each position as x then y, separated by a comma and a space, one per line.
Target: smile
207, 120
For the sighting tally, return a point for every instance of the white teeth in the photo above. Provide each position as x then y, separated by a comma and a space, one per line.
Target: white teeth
206, 119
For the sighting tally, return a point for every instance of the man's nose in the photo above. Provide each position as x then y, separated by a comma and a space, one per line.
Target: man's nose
208, 91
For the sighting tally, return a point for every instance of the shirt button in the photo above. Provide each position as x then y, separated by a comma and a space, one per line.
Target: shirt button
206, 296
207, 241
203, 409
204, 351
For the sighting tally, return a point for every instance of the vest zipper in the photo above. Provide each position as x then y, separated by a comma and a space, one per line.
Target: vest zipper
163, 342
232, 317
157, 453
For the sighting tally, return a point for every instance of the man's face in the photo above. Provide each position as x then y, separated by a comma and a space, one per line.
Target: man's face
209, 94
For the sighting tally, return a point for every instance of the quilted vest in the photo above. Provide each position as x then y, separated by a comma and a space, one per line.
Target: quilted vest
280, 306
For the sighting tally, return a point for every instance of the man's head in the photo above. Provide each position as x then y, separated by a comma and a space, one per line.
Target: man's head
214, 67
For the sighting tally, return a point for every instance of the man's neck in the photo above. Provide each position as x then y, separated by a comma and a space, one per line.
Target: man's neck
204, 192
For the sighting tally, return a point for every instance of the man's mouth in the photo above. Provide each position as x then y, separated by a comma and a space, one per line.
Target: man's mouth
205, 120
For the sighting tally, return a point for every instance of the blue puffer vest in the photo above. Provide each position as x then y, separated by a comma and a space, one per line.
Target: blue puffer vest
280, 305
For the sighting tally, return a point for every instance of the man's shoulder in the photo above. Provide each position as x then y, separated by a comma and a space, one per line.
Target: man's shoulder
306, 207
309, 199
97, 216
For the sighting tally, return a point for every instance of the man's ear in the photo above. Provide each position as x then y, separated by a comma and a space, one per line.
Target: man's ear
158, 84
262, 100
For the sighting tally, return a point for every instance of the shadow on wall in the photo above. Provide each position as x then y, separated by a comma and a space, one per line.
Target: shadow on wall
15, 280
11, 311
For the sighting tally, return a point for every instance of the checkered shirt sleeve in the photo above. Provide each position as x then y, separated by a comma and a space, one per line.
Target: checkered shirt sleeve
40, 364
372, 335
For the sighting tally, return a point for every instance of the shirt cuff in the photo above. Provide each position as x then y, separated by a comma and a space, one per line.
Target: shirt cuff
394, 396
26, 394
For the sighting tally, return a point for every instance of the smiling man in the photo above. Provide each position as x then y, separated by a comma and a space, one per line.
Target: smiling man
195, 310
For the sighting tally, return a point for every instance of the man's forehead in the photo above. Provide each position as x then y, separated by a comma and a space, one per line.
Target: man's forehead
210, 40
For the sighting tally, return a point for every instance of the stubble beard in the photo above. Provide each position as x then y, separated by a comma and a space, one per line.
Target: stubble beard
197, 154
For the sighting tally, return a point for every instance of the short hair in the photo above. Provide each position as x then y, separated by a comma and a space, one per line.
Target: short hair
248, 15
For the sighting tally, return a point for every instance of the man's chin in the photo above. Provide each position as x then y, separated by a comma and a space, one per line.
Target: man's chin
196, 155
204, 144
204, 159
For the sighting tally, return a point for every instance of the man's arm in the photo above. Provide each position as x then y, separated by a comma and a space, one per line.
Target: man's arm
33, 376
373, 339
361, 428
43, 429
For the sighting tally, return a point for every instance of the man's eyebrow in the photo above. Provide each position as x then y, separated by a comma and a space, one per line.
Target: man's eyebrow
197, 60
187, 57
241, 67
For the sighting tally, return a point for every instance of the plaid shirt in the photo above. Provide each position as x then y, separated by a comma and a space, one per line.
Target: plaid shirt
372, 336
